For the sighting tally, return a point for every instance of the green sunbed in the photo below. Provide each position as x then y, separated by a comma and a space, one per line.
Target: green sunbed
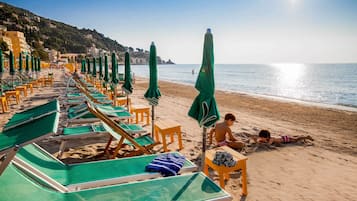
31, 114
85, 116
90, 174
16, 185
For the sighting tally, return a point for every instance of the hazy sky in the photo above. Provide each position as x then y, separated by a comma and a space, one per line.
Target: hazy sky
245, 31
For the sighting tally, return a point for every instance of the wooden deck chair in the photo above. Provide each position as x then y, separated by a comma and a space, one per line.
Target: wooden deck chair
94, 130
81, 115
142, 144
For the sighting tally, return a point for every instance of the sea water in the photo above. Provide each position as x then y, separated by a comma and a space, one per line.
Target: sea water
334, 84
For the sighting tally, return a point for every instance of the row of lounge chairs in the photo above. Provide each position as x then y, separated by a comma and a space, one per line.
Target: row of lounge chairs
28, 172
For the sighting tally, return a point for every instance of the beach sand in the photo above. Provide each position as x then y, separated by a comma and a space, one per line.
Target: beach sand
326, 170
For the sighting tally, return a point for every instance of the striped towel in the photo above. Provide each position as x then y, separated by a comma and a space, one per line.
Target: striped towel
167, 164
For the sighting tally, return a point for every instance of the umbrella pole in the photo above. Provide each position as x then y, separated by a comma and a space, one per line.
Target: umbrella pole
127, 101
203, 157
152, 120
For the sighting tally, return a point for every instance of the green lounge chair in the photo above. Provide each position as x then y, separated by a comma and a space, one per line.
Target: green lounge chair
32, 114
74, 177
13, 139
17, 185
142, 144
94, 130
82, 116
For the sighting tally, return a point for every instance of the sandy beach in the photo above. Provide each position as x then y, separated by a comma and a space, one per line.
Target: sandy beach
324, 170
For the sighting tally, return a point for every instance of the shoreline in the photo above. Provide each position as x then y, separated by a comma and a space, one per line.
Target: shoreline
275, 98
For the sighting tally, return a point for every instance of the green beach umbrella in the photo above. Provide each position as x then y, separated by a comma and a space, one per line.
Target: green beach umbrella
27, 64
32, 64
106, 70
83, 67
94, 72
127, 86
204, 107
1, 62
114, 70
1, 68
88, 66
39, 64
100, 68
11, 61
20, 62
115, 80
153, 93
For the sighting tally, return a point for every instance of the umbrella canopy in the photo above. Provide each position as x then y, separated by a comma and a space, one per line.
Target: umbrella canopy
20, 62
204, 108
1, 62
88, 66
114, 70
12, 67
153, 93
32, 64
94, 72
100, 68
127, 86
39, 64
106, 69
27, 64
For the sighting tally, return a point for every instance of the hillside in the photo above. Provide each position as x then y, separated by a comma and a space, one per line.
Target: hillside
43, 33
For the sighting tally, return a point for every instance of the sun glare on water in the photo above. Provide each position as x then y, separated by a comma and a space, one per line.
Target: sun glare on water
289, 78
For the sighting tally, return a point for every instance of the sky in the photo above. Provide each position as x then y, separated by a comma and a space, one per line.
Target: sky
244, 31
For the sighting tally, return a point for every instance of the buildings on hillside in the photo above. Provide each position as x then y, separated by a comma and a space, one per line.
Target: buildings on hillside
15, 41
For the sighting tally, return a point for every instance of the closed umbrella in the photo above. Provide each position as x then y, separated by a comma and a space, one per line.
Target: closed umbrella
88, 66
12, 67
20, 62
127, 86
39, 64
115, 80
1, 67
83, 68
106, 71
100, 68
32, 63
1, 63
204, 107
94, 72
27, 65
153, 93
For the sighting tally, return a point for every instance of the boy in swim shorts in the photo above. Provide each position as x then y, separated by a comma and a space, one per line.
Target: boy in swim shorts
222, 129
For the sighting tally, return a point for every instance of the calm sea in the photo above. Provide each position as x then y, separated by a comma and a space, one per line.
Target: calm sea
334, 84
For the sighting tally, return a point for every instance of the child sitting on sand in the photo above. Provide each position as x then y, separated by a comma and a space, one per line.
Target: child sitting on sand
264, 137
222, 129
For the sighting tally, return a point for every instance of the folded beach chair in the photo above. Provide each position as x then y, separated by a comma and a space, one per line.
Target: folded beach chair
142, 144
94, 130
17, 185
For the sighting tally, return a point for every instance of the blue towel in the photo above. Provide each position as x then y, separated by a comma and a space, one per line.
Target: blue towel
167, 164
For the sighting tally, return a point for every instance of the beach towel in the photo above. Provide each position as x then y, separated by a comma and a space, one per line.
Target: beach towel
224, 158
167, 164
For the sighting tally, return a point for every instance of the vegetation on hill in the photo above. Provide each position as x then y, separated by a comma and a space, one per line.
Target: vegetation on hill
41, 32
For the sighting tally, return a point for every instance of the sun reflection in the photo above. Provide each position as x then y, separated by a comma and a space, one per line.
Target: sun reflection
289, 79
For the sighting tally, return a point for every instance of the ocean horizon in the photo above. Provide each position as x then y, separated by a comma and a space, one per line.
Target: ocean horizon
331, 84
